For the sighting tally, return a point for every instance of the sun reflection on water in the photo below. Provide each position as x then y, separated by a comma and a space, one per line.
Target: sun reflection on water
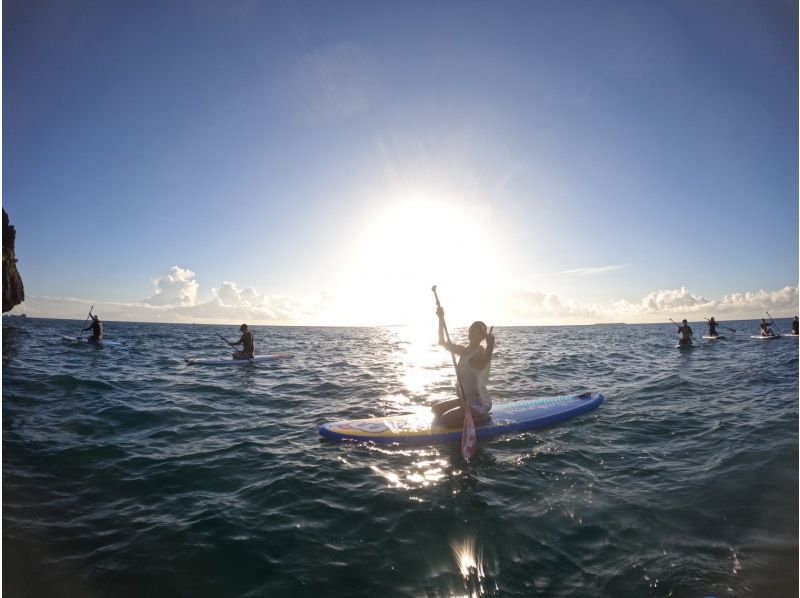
418, 474
421, 364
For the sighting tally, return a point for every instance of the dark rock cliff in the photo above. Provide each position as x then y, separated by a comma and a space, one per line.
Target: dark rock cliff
13, 291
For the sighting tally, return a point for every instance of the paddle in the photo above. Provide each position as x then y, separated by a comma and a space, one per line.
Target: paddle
733, 330
694, 342
774, 324
469, 439
223, 338
80, 336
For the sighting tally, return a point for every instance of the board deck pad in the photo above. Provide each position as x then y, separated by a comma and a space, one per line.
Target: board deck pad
515, 416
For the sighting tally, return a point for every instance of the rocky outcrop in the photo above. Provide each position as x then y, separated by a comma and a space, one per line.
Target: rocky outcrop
13, 291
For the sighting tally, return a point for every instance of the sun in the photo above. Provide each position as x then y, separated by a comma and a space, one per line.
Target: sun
408, 245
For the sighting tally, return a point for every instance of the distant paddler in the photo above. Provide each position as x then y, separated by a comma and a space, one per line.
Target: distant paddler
712, 327
766, 329
97, 330
246, 340
685, 334
795, 327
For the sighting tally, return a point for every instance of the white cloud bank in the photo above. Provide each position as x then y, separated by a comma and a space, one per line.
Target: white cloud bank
176, 287
175, 300
175, 293
533, 307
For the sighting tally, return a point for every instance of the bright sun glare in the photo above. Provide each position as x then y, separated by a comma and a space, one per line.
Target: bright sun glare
411, 244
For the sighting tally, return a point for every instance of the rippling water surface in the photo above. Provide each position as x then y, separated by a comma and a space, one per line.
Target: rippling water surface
127, 472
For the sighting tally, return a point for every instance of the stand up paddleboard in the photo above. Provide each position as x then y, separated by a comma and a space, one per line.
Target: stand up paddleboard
421, 429
714, 338
766, 338
101, 343
231, 361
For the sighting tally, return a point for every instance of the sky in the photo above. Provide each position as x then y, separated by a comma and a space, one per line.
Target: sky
326, 163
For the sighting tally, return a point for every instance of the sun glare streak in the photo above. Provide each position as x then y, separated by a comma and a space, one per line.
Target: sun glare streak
466, 557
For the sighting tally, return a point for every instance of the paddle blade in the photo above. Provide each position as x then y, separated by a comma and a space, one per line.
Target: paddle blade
469, 439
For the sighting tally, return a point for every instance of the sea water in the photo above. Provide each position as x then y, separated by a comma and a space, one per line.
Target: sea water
127, 472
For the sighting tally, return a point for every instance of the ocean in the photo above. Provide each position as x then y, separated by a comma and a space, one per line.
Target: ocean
127, 472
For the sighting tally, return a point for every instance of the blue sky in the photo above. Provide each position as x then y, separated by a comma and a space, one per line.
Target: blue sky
326, 162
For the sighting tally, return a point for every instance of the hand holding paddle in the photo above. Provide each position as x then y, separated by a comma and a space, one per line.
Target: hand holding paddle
469, 438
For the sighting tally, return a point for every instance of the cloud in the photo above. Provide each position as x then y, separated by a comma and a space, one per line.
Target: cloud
591, 271
255, 306
176, 300
175, 287
667, 300
738, 305
538, 307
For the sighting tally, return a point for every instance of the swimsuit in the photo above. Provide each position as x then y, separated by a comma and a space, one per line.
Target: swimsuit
473, 382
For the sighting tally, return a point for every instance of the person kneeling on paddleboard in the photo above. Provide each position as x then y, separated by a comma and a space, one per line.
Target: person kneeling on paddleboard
473, 373
685, 334
765, 328
248, 347
712, 327
795, 326
97, 330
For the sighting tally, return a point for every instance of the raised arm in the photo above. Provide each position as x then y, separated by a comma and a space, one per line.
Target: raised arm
452, 347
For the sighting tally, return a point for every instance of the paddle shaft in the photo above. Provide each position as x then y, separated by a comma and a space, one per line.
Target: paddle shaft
469, 438
223, 338
80, 336
447, 336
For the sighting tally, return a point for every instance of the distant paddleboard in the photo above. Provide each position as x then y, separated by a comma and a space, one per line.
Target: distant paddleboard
102, 343
792, 335
231, 361
766, 338
713, 338
421, 429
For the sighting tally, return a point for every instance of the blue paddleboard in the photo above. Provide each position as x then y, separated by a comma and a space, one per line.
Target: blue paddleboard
507, 418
